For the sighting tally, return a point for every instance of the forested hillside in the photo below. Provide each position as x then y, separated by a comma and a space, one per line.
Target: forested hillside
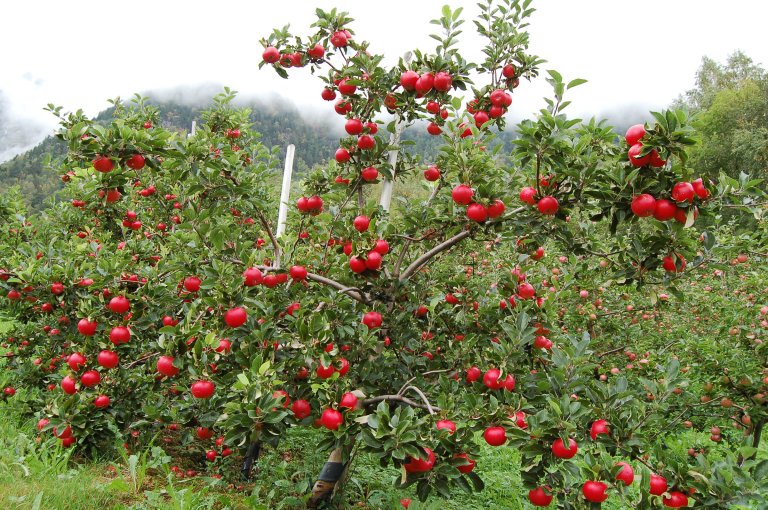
729, 100
279, 126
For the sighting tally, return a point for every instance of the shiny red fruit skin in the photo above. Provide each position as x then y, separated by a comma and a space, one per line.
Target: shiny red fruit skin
202, 389
165, 366
119, 304
561, 451
301, 409
528, 195
598, 427
270, 55
634, 152
107, 359
119, 335
477, 212
495, 436
462, 194
103, 164
594, 491
634, 134
658, 485
496, 209
68, 385
665, 210
626, 475
331, 419
643, 205
538, 497
683, 192
676, 499
548, 205
446, 425
235, 317
421, 465
86, 327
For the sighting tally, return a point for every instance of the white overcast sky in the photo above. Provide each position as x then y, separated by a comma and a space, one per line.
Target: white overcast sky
79, 54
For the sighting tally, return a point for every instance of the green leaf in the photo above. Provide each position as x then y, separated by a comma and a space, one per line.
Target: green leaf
555, 75
747, 451
761, 470
576, 83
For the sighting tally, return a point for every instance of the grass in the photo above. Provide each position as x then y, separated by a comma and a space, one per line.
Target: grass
37, 474
42, 476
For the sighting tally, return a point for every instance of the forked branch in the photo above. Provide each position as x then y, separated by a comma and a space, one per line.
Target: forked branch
352, 292
445, 245
399, 398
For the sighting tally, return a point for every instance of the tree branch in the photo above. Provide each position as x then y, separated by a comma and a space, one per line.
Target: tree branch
275, 244
407, 244
141, 360
606, 353
445, 245
423, 397
397, 398
352, 292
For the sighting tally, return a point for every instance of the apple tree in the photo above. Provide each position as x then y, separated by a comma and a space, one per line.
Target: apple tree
158, 299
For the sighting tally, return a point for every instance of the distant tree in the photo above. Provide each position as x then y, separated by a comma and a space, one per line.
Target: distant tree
730, 101
713, 77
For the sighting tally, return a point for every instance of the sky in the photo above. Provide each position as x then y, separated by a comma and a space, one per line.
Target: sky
636, 55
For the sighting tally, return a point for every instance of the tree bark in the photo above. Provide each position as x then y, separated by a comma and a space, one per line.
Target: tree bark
330, 479
254, 449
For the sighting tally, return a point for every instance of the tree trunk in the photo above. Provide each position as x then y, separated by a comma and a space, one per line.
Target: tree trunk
757, 433
254, 449
330, 477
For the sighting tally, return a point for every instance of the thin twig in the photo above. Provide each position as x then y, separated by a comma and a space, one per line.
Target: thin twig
338, 215
275, 244
142, 359
397, 398
407, 244
434, 251
606, 353
352, 292
423, 397
431, 372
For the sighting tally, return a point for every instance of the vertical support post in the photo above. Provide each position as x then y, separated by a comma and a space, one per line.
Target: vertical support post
194, 128
285, 192
388, 185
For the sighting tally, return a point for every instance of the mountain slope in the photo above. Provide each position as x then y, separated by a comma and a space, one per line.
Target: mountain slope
279, 124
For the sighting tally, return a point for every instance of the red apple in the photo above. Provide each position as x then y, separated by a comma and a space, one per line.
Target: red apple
202, 389
561, 451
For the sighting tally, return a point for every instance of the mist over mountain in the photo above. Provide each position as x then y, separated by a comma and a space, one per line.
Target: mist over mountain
314, 132
17, 133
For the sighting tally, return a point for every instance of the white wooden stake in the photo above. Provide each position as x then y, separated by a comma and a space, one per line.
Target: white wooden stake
282, 215
394, 140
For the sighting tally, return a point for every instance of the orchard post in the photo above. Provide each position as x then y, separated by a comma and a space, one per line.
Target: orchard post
394, 140
286, 190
